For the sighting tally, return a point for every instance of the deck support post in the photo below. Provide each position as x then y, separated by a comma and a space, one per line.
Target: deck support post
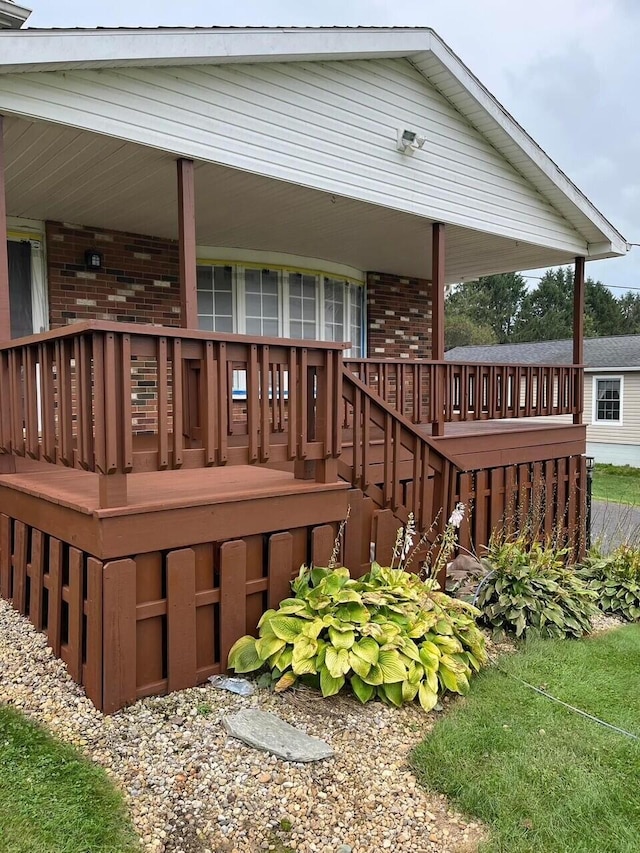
578, 334
187, 245
437, 320
5, 313
112, 490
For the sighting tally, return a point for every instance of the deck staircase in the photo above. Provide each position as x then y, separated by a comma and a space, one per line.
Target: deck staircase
393, 463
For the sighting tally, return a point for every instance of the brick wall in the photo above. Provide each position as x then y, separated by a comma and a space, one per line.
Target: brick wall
137, 284
399, 316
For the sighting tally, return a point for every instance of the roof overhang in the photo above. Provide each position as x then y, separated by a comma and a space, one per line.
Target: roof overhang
12, 17
51, 50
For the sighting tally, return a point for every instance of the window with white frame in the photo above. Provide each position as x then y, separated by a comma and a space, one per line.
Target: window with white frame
607, 399
280, 302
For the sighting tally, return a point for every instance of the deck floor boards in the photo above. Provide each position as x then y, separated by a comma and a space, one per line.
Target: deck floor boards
158, 489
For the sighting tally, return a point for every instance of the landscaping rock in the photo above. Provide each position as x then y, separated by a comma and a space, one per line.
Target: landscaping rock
266, 731
191, 789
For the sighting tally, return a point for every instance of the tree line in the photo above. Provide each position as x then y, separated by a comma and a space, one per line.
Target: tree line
498, 309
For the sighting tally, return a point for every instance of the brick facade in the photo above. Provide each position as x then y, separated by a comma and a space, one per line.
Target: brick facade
138, 282
399, 316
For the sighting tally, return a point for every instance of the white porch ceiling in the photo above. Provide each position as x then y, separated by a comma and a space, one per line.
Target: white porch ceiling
64, 174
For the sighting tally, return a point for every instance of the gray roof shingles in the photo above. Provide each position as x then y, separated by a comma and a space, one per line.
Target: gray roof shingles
620, 352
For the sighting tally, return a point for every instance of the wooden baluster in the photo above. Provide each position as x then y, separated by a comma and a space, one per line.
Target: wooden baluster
388, 485
336, 390
224, 395
162, 392
366, 442
267, 388
65, 410
357, 478
178, 401
303, 412
292, 425
253, 400
85, 425
126, 405
31, 400
99, 403
208, 405
396, 497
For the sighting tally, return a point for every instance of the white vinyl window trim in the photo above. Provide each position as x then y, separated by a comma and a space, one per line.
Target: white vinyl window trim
604, 377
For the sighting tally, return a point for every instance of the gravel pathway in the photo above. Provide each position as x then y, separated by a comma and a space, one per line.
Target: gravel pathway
191, 789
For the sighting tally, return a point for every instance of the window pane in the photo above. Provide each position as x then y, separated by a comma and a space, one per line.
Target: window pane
223, 324
254, 305
608, 400
204, 278
302, 305
333, 309
205, 302
205, 323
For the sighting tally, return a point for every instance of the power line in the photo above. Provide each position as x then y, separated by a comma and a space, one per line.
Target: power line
609, 286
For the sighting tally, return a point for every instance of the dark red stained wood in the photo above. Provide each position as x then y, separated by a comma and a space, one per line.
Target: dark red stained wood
267, 389
92, 676
181, 619
385, 527
187, 244
36, 573
54, 615
76, 612
224, 394
437, 300
163, 404
280, 565
6, 575
178, 404
5, 315
233, 596
20, 567
578, 329
119, 635
322, 542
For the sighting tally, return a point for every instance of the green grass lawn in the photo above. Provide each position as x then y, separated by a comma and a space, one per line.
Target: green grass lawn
544, 779
52, 800
619, 483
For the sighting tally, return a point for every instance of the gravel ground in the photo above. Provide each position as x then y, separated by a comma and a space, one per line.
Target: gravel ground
191, 789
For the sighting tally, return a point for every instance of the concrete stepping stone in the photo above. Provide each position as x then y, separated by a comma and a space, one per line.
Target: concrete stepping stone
266, 731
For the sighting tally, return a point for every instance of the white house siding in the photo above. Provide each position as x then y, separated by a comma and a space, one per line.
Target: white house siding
618, 444
327, 125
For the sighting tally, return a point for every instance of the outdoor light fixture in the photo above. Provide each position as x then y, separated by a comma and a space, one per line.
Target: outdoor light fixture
408, 141
93, 259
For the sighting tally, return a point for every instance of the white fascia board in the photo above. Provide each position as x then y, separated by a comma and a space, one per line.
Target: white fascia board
51, 50
612, 369
614, 243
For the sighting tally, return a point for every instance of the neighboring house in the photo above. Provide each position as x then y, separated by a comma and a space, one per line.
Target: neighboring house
611, 387
196, 222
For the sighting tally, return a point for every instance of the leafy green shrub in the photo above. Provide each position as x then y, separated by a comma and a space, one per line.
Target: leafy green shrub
528, 590
388, 634
615, 579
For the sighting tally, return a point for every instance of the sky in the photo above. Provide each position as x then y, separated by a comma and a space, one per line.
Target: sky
567, 70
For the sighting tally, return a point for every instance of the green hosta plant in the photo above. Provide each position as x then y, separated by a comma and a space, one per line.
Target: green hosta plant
388, 634
615, 579
529, 590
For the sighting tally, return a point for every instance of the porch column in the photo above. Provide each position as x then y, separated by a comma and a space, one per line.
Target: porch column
578, 333
187, 245
5, 316
437, 320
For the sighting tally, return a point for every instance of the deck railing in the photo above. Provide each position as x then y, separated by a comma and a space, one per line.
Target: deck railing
117, 398
446, 391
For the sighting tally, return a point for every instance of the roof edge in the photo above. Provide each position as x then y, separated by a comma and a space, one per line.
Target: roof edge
616, 243
12, 16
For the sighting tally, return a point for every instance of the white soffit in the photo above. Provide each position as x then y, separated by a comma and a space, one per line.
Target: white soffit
48, 50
